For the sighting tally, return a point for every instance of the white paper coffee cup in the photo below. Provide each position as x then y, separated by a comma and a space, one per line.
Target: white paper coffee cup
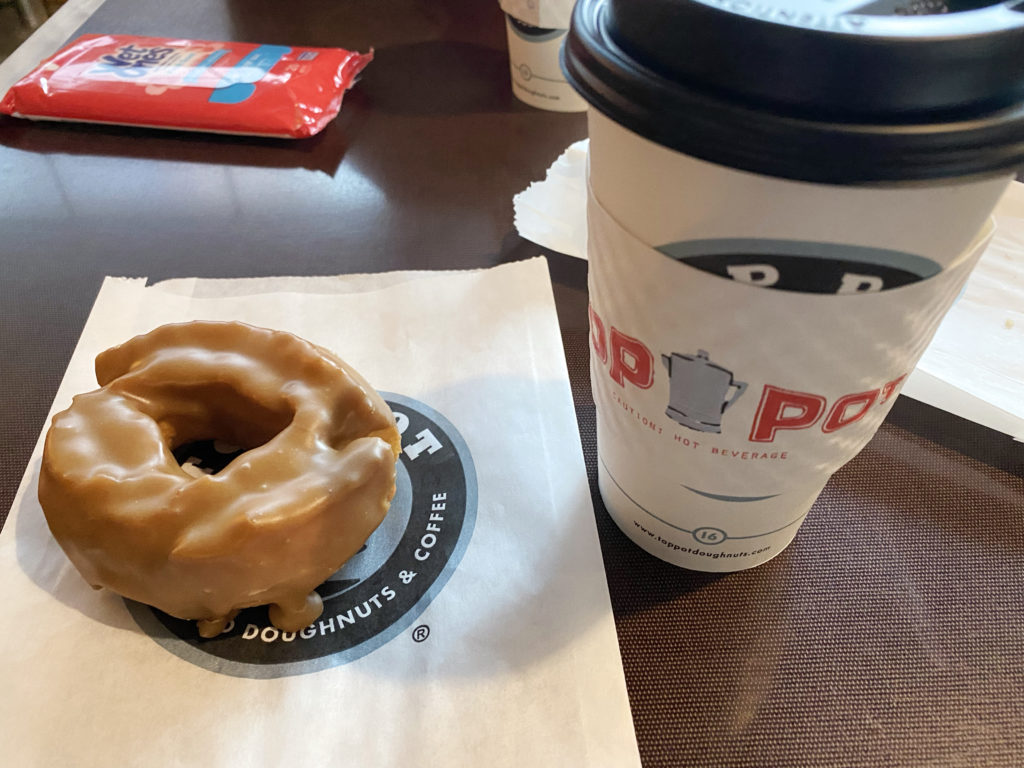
725, 403
537, 79
773, 243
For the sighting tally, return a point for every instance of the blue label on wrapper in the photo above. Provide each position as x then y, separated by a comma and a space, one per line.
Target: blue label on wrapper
238, 83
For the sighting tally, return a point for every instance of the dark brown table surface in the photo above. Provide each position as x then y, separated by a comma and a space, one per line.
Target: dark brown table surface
891, 633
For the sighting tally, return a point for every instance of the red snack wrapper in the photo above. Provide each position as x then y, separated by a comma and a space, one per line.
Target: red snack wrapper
267, 90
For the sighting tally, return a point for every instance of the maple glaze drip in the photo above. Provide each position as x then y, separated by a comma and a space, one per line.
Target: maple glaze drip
315, 481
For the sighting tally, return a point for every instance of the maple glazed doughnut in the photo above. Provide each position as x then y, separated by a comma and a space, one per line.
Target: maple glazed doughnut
315, 481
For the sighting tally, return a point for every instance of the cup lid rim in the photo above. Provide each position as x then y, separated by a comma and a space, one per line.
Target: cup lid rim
779, 139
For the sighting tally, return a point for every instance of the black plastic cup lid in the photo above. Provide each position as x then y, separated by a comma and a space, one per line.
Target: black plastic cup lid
830, 91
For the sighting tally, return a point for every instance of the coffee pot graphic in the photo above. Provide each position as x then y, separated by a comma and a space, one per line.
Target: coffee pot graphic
699, 391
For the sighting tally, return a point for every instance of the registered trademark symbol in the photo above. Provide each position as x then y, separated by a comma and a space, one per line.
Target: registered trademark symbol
421, 633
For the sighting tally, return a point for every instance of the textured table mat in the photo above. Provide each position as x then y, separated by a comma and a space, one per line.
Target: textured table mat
890, 633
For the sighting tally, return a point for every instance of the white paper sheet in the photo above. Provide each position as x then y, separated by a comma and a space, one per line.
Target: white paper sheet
521, 664
973, 368
553, 212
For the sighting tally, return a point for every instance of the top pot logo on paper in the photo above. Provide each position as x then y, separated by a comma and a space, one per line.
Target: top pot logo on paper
377, 594
804, 267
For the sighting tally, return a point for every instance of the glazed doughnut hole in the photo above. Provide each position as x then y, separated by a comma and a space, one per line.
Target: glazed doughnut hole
207, 426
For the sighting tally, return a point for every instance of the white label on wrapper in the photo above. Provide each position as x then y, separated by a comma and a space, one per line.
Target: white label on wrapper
733, 377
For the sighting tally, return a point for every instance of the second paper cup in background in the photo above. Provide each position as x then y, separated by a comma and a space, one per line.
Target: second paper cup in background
761, 284
535, 30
